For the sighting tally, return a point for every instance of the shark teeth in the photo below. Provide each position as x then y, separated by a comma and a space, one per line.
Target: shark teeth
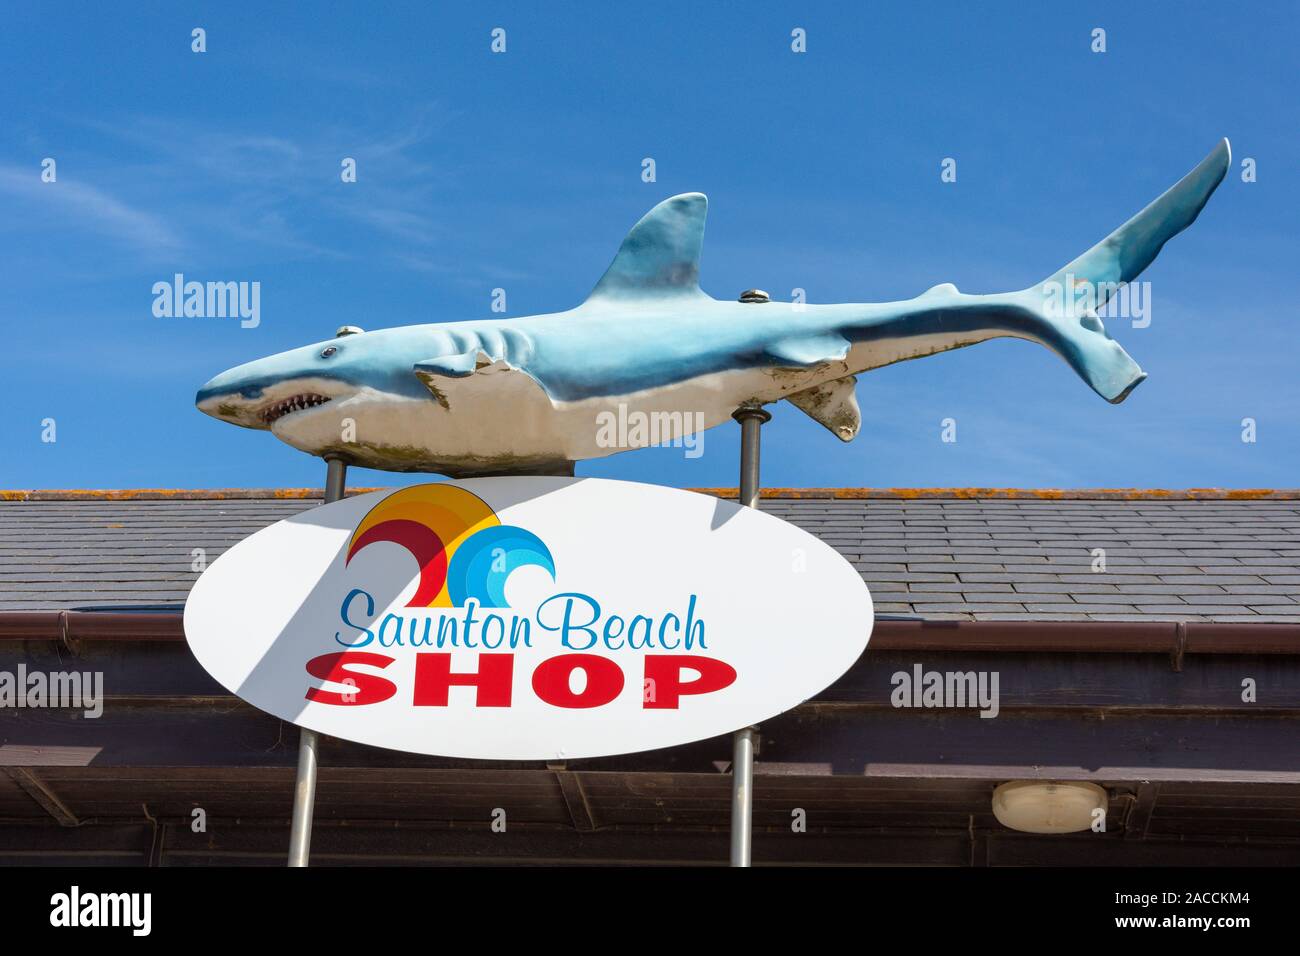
295, 403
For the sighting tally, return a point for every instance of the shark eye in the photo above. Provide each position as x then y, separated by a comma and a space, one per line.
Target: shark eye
326, 353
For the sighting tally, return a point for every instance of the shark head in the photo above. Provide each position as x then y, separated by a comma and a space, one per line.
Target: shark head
306, 396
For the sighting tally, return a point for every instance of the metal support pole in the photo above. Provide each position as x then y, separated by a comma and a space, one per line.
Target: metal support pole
336, 479
751, 418
304, 798
304, 789
742, 795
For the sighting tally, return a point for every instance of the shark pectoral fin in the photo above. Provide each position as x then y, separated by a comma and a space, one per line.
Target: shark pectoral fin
505, 378
450, 366
833, 405
433, 371
661, 255
805, 350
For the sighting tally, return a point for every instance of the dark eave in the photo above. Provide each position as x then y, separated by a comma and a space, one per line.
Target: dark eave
1087, 637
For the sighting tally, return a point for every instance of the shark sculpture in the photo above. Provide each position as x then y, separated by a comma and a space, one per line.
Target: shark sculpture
526, 395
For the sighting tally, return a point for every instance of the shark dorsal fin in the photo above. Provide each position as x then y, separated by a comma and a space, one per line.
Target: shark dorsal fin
661, 255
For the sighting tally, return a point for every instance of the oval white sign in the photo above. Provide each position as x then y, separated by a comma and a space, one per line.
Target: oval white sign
528, 618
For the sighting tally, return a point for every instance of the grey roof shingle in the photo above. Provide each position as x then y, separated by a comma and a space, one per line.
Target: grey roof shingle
960, 557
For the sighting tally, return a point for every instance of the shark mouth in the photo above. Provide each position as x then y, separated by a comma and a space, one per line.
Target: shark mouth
291, 405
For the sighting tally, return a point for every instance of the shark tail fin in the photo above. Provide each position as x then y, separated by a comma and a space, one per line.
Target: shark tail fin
1070, 298
661, 255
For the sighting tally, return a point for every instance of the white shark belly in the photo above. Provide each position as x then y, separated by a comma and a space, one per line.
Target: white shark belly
499, 419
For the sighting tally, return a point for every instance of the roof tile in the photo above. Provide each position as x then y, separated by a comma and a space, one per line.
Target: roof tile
991, 555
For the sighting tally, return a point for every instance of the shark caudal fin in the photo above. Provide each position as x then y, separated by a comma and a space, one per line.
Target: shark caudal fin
1071, 298
661, 255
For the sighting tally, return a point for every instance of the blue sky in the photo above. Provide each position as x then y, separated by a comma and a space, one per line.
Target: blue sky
523, 171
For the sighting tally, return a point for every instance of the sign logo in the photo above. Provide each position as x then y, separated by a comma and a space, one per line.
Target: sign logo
462, 549
528, 618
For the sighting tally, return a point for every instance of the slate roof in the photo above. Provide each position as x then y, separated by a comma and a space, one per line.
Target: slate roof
956, 554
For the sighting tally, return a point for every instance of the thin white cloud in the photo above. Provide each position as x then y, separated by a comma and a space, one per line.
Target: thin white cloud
90, 207
275, 179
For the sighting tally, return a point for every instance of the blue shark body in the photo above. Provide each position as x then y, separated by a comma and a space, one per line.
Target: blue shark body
530, 394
